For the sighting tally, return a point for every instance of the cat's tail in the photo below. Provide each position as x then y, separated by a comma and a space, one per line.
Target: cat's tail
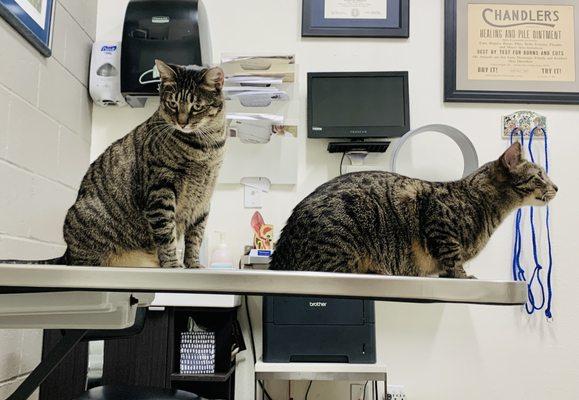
279, 261
62, 260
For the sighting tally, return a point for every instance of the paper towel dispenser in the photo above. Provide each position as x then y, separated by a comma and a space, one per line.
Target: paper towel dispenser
175, 31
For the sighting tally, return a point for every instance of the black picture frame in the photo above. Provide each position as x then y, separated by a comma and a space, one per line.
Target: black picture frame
400, 30
452, 94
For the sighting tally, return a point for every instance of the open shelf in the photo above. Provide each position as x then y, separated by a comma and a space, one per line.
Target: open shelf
218, 377
319, 371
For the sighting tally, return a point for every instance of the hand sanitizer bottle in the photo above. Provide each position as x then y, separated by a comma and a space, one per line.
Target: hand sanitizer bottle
221, 256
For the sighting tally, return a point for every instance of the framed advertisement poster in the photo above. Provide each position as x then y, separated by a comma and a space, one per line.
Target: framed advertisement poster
32, 19
511, 51
355, 18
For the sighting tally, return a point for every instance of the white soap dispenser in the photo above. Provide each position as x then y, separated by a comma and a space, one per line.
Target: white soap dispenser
221, 256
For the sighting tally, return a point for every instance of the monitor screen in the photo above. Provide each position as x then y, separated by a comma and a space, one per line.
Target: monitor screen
358, 105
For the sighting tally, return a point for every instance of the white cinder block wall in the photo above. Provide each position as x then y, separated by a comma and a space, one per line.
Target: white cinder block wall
45, 134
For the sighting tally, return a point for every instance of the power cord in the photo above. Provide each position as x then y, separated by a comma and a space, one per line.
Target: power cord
253, 345
364, 391
342, 162
308, 391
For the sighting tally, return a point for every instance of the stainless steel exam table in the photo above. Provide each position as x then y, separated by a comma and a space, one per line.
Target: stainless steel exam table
80, 299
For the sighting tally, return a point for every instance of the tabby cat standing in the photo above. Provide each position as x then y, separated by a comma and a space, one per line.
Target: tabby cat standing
384, 223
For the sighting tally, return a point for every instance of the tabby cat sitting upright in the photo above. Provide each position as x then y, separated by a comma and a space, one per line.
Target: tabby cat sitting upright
384, 223
153, 185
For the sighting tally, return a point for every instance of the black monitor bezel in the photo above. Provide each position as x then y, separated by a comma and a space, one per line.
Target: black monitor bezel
369, 132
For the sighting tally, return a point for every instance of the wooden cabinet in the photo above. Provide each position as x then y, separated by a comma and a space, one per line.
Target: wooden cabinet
151, 358
68, 380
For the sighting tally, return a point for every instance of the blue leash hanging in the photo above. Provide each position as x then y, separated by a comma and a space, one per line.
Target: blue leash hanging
535, 280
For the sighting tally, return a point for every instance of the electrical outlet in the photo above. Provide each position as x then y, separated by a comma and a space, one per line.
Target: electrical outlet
356, 391
396, 392
251, 197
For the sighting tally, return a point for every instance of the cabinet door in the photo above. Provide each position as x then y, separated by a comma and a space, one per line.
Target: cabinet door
68, 380
139, 360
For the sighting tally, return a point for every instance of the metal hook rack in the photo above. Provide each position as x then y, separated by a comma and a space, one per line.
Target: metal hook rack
524, 122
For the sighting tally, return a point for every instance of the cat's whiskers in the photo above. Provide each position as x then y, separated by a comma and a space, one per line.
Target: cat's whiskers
161, 124
163, 135
208, 135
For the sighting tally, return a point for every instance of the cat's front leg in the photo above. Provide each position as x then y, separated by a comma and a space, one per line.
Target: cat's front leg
160, 213
193, 237
448, 253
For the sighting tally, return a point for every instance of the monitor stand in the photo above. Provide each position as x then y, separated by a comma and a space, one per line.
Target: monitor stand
356, 151
358, 146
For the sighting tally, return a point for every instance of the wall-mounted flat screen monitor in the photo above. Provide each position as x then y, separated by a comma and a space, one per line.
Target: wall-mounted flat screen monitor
358, 105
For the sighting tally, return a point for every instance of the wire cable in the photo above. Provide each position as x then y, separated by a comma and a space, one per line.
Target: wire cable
253, 345
342, 163
364, 392
308, 391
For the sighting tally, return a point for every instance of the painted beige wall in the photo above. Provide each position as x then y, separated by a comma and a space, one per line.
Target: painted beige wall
45, 133
446, 352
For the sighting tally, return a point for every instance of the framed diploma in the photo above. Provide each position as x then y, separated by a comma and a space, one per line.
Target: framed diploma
355, 18
511, 51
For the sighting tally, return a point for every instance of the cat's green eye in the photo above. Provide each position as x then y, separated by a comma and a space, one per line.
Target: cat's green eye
198, 107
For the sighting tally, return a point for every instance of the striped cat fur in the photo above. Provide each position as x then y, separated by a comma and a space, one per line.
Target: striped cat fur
384, 223
154, 185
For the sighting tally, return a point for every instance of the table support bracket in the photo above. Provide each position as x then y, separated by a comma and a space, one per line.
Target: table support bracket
48, 364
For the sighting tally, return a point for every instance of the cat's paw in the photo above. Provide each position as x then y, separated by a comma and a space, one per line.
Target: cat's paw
454, 274
194, 266
176, 264
444, 274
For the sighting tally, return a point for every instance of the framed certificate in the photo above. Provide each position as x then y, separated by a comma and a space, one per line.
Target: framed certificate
511, 51
32, 19
355, 18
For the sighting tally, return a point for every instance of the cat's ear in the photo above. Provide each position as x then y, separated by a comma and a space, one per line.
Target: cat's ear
512, 156
213, 79
166, 72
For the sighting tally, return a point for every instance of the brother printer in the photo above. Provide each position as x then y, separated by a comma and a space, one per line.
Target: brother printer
314, 329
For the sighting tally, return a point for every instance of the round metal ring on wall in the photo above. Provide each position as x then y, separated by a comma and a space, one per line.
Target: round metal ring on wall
466, 147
